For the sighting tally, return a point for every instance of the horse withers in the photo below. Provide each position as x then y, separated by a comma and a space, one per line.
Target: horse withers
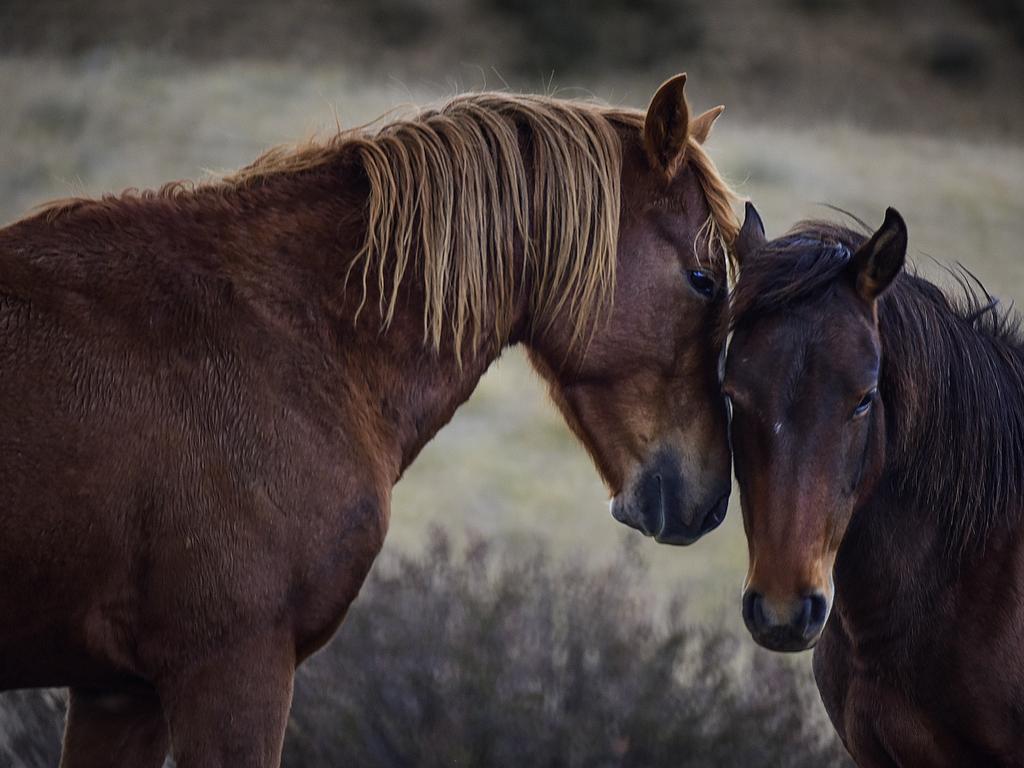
207, 393
878, 430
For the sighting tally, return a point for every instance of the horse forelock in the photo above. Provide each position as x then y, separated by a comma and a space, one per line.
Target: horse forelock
718, 234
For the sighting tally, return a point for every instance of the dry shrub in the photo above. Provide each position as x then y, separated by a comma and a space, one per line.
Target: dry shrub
500, 655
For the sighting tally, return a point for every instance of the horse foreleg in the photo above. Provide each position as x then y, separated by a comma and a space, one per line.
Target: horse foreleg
231, 710
114, 730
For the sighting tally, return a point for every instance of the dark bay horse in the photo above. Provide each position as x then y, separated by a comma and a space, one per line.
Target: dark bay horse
207, 393
878, 430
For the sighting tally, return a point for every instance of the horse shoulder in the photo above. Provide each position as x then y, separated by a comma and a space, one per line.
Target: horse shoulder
332, 567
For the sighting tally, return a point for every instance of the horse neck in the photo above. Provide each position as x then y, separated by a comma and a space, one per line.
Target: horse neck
406, 390
953, 384
293, 236
953, 389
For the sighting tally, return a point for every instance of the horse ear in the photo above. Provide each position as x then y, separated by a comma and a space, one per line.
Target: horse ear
667, 126
751, 236
876, 263
700, 126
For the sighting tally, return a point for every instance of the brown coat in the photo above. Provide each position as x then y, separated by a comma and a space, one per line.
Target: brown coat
201, 416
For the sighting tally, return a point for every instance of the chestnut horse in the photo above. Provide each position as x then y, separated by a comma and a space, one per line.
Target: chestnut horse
882, 462
208, 393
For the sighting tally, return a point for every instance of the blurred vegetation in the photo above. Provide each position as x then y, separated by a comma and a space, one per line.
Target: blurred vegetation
1008, 14
599, 35
497, 655
507, 656
888, 65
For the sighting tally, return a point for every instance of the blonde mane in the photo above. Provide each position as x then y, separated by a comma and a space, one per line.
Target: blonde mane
451, 197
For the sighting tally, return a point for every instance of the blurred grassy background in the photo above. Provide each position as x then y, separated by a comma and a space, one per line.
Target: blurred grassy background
858, 103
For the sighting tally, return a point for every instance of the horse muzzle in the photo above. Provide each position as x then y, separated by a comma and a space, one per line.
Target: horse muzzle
789, 626
657, 504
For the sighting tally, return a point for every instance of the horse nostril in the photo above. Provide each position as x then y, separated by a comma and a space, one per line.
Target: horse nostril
819, 610
715, 515
812, 615
802, 620
753, 611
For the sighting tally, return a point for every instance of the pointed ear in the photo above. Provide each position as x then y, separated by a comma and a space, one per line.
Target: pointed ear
751, 236
667, 125
700, 126
876, 263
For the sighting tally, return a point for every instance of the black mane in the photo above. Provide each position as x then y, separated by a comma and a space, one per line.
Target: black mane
801, 266
952, 376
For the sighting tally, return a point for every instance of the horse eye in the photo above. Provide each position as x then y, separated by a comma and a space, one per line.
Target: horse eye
865, 403
701, 283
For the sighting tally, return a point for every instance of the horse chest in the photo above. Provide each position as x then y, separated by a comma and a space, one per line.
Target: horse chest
911, 703
335, 565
